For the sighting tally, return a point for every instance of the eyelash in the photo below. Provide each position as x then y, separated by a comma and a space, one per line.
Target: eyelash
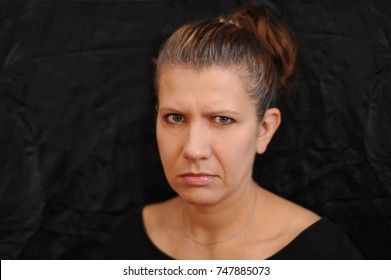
213, 119
167, 118
229, 120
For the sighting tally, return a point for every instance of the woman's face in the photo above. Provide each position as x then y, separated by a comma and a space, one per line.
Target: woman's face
207, 132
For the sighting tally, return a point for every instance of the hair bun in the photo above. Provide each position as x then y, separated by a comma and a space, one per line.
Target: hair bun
275, 37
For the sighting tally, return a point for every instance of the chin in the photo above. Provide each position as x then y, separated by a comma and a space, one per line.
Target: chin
199, 196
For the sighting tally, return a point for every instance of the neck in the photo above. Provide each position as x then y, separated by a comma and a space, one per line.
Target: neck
213, 224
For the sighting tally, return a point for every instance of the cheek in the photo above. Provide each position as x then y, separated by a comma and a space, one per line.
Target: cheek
168, 146
237, 152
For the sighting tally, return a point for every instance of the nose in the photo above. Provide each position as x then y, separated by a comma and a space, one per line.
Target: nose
197, 146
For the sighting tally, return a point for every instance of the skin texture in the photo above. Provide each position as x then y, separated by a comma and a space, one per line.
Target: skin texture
208, 134
207, 124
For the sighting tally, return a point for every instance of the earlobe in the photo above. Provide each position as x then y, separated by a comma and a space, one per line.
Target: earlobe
267, 127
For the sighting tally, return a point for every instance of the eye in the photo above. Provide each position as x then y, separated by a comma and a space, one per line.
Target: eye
222, 120
173, 118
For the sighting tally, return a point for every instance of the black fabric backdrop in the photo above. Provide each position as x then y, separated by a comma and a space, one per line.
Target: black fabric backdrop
77, 143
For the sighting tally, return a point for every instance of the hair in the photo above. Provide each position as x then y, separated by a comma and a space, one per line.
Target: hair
250, 40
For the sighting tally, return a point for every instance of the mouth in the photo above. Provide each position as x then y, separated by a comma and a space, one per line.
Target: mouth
197, 179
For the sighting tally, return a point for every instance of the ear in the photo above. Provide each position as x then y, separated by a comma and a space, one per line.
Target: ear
267, 127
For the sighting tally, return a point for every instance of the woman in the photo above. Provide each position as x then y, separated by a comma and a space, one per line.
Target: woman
216, 81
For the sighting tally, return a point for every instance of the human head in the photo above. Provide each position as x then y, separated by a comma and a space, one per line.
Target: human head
250, 41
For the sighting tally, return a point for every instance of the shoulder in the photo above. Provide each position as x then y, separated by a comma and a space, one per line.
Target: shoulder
157, 214
305, 235
128, 232
162, 219
288, 218
130, 240
322, 240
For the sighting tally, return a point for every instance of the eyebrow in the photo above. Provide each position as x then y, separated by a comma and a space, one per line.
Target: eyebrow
225, 112
218, 112
168, 109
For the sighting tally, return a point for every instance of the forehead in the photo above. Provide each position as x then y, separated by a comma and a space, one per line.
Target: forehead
211, 85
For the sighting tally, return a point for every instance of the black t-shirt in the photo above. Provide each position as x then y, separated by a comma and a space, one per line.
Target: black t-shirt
321, 241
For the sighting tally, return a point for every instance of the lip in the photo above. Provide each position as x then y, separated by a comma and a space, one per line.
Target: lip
197, 179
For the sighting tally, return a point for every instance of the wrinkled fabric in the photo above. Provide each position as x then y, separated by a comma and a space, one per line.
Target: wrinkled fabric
77, 140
